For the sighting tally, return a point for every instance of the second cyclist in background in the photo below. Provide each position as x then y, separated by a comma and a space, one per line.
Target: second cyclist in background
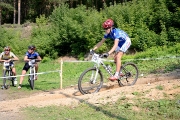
30, 54
8, 56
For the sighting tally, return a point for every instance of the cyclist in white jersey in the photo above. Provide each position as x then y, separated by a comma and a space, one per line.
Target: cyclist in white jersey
121, 43
8, 56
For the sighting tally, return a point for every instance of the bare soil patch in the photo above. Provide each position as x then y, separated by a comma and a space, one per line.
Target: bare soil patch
10, 105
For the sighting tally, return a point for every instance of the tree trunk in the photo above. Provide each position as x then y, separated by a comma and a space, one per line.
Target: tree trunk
0, 16
14, 17
19, 12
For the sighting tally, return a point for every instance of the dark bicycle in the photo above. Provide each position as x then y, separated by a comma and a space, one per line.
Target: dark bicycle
8, 75
91, 80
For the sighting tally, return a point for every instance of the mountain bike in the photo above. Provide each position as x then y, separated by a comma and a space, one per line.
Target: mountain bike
32, 72
8, 75
91, 80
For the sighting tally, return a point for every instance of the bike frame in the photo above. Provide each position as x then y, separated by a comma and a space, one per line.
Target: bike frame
91, 80
32, 73
97, 59
7, 68
32, 68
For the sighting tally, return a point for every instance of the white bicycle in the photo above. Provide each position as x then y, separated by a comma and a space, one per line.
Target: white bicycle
91, 80
32, 72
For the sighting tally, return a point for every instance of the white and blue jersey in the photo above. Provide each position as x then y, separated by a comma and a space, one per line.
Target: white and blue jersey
124, 40
32, 56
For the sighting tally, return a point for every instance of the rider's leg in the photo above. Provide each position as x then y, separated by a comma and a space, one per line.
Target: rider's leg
25, 69
36, 69
119, 53
22, 77
117, 59
14, 71
118, 62
14, 74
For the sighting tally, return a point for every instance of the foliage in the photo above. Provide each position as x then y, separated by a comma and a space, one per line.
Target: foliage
73, 31
11, 37
70, 76
80, 29
41, 21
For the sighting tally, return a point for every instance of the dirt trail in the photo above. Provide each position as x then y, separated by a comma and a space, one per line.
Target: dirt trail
109, 93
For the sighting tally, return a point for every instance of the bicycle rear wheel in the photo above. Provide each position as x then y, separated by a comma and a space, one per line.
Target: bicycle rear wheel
90, 81
128, 74
31, 79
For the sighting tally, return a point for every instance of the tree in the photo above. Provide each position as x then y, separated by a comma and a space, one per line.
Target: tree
14, 16
19, 12
4, 5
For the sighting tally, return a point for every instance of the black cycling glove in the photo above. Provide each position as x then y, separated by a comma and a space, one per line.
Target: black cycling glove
105, 55
91, 51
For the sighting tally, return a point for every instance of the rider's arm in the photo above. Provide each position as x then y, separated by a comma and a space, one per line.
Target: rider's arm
13, 57
26, 59
39, 58
116, 41
99, 44
1, 58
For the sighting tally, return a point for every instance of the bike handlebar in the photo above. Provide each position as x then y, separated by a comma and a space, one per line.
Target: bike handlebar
100, 55
9, 61
33, 61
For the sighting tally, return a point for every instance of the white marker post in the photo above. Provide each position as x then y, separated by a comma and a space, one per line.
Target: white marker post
61, 74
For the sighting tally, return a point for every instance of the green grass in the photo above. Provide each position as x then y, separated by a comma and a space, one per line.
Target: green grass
159, 87
140, 109
121, 110
72, 70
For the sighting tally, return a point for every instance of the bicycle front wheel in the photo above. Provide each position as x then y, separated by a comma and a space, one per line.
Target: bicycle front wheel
128, 74
31, 79
90, 81
6, 84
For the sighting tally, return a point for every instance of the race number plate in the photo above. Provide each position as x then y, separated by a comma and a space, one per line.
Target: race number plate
6, 64
95, 58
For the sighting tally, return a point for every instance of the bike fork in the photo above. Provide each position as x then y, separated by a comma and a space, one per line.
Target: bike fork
34, 72
94, 77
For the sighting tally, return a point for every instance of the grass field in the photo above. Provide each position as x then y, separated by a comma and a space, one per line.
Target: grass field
121, 110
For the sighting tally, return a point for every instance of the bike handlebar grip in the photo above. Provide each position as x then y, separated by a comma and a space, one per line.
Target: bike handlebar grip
91, 51
37, 60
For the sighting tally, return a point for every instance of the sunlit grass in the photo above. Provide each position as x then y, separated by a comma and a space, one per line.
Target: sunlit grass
140, 109
72, 70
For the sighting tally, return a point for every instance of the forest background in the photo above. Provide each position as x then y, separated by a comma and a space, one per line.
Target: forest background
61, 27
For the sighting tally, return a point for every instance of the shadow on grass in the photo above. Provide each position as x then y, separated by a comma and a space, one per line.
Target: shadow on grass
99, 109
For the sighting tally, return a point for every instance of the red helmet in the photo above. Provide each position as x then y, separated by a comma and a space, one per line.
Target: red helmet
108, 24
7, 48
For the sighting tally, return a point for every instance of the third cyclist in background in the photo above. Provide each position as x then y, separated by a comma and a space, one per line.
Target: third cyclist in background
121, 43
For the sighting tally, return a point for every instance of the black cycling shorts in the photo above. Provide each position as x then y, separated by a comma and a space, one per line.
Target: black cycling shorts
26, 66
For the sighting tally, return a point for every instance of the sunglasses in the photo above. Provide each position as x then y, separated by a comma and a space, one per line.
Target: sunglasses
30, 49
7, 50
106, 28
